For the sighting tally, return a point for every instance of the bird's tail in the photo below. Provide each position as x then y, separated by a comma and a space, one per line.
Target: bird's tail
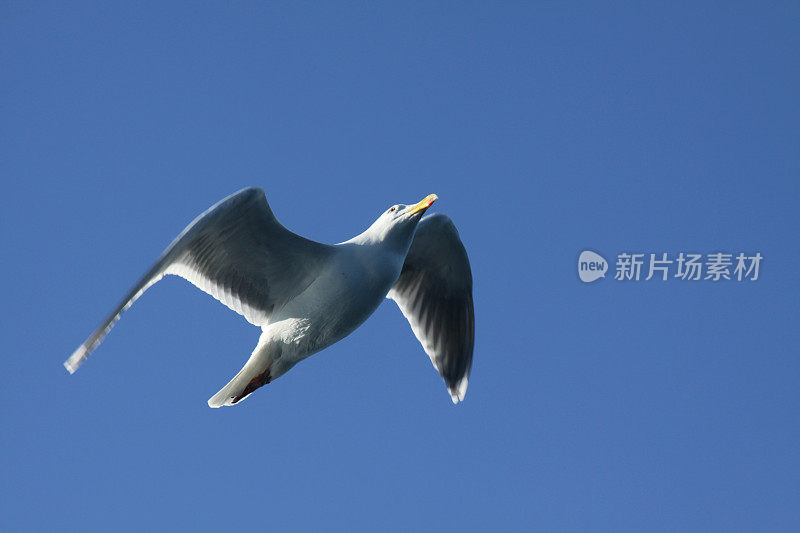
259, 370
240, 387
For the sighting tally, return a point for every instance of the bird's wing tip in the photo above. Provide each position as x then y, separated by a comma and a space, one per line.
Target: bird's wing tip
69, 367
75, 360
459, 390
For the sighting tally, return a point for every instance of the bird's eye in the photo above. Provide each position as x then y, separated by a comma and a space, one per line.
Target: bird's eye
392, 209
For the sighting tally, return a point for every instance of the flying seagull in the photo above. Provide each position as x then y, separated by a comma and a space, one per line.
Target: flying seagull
307, 295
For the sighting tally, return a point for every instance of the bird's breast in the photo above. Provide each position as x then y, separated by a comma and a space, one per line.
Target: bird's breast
342, 297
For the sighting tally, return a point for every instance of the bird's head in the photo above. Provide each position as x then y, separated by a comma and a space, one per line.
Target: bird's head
397, 224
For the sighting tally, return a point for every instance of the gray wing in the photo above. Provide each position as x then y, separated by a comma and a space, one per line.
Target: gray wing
434, 292
238, 253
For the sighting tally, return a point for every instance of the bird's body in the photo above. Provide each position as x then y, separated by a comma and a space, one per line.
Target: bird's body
305, 295
345, 294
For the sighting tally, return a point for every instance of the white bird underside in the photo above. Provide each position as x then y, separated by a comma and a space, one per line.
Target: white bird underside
306, 295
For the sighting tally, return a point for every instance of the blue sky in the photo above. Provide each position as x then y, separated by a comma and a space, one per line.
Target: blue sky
545, 130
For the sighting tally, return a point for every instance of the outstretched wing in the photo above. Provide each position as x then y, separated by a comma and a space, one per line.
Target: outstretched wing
434, 292
238, 253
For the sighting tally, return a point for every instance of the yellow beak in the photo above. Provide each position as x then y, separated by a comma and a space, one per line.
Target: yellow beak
424, 204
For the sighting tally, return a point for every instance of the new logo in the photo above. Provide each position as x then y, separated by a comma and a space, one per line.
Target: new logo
591, 266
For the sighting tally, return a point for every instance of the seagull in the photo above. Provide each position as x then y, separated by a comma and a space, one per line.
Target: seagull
305, 295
